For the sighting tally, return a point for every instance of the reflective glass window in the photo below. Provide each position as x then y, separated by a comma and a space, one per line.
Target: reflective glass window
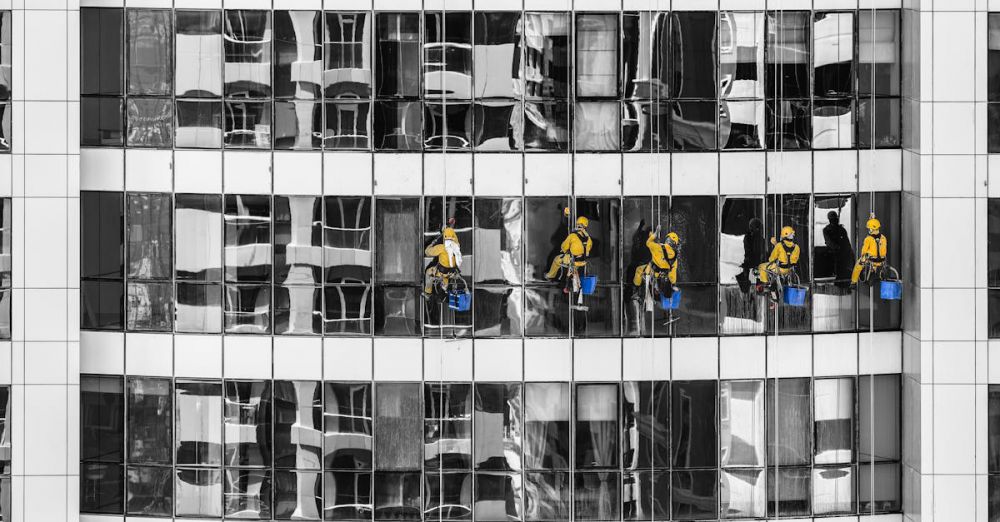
248, 423
347, 495
792, 210
399, 421
546, 426
149, 306
741, 55
741, 423
298, 125
693, 124
646, 55
199, 124
198, 46
498, 426
247, 124
743, 493
694, 430
886, 206
789, 436
102, 123
248, 238
447, 68
789, 125
447, 426
150, 123
148, 51
298, 54
646, 418
833, 490
397, 125
447, 496
149, 407
879, 53
247, 493
199, 307
879, 488
198, 225
102, 234
597, 429
298, 495
742, 124
448, 126
347, 125
298, 435
347, 70
834, 305
646, 495
595, 127
597, 42
694, 494
833, 54
101, 487
298, 240
645, 126
198, 419
834, 420
149, 491
546, 60
547, 126
398, 240
347, 425
499, 125
150, 236
398, 496
247, 44
101, 51
398, 51
102, 419
498, 240
833, 124
198, 493
546, 495
787, 65
789, 492
597, 495
694, 50
879, 123
497, 54
497, 497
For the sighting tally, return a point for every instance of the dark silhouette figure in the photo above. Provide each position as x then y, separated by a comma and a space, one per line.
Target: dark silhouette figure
753, 252
839, 250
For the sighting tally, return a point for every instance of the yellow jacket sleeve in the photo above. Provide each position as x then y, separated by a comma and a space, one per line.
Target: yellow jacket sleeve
883, 247
775, 253
794, 258
868, 248
567, 243
434, 250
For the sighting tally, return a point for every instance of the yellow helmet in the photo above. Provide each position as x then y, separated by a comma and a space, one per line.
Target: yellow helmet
582, 222
873, 226
449, 234
673, 238
787, 233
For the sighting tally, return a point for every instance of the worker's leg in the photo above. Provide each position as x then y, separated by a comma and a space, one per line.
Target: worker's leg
640, 273
856, 274
429, 276
556, 265
762, 273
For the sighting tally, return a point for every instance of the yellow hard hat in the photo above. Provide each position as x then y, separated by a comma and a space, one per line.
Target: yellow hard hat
449, 234
674, 238
874, 225
787, 233
582, 222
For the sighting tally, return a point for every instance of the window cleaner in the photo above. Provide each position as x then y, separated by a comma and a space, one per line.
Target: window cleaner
570, 265
780, 269
444, 269
873, 254
660, 274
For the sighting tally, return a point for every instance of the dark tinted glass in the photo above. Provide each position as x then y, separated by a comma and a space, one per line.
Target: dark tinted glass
102, 418
695, 494
347, 426
694, 430
399, 420
102, 234
101, 122
546, 65
101, 487
101, 52
398, 53
695, 54
789, 437
298, 51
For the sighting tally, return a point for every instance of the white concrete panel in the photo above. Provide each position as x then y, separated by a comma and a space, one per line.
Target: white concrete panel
198, 4
954, 497
954, 449
45, 66
645, 174
789, 356
951, 220
398, 360
695, 173
548, 5
42, 176
42, 362
548, 174
951, 131
448, 360
121, 3
347, 173
742, 357
835, 171
247, 357
695, 5
790, 4
694, 358
499, 360
298, 173
42, 321
102, 169
456, 5
597, 360
647, 5
449, 174
45, 410
149, 354
954, 176
498, 5
835, 4
198, 171
397, 5
347, 5
45, 497
880, 352
198, 356
247, 4
500, 174
597, 5
597, 175
45, 237
298, 4
298, 358
742, 172
646, 359
149, 170
548, 360
347, 359
398, 174
246, 172
954, 66
880, 170
43, 133
104, 353
835, 354
163, 4
954, 362
742, 5
789, 172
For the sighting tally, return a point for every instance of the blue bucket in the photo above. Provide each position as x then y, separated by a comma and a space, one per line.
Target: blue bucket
795, 295
671, 303
588, 284
459, 301
891, 290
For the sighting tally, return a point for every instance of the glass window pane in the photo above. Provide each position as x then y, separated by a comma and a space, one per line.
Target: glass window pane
347, 70
741, 423
879, 489
498, 311
347, 233
833, 124
447, 55
248, 493
743, 493
546, 312
497, 426
787, 57
199, 54
884, 114
695, 494
499, 125
248, 53
646, 416
597, 496
834, 305
741, 55
102, 419
547, 126
693, 124
101, 122
397, 496
646, 495
546, 496
348, 126
199, 493
248, 238
298, 240
348, 309
298, 310
693, 424
497, 54
597, 427
595, 127
447, 496
597, 40
198, 433
149, 307
149, 51
646, 126
101, 54
397, 311
789, 438
149, 414
646, 54
199, 124
544, 230
298, 125
199, 308
101, 488
398, 237
878, 53
791, 210
248, 125
347, 425
546, 62
448, 126
695, 54
887, 314
347, 495
399, 419
298, 54
447, 426
398, 55
498, 497
879, 417
198, 223
248, 309
833, 54
298, 435
498, 240
149, 491
150, 123
248, 423
834, 422
102, 222
298, 495
742, 125
993, 426
397, 125
101, 305
788, 492
546, 426
833, 491
150, 236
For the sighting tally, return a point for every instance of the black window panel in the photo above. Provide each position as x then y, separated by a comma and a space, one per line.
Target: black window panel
497, 53
547, 126
448, 55
102, 305
399, 421
102, 418
348, 309
297, 72
150, 123
887, 207
879, 64
597, 429
597, 496
248, 421
546, 426
347, 236
789, 492
694, 430
298, 125
597, 42
102, 234
646, 495
348, 126
248, 124
993, 127
695, 494
789, 125
398, 311
546, 312
693, 125
150, 236
787, 66
546, 496
879, 404
742, 125
149, 307
498, 497
149, 491
498, 311
694, 46
248, 35
447, 426
398, 496
248, 238
833, 54
546, 62
150, 52
789, 438
645, 126
149, 410
102, 56
199, 124
101, 122
994, 496
993, 242
498, 241
698, 312
695, 220
887, 122
398, 50
595, 127
398, 240
545, 228
497, 424
447, 496
397, 125
602, 318
646, 55
297, 495
883, 480
646, 417
347, 425
347, 495
101, 487
448, 126
498, 126
347, 70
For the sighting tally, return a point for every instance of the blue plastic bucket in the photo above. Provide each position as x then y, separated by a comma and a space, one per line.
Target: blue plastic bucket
459, 301
795, 295
671, 303
891, 290
588, 284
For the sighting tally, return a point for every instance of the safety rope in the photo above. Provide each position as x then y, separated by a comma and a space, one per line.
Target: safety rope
871, 291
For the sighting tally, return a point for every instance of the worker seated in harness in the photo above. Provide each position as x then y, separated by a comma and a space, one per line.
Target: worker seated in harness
447, 262
574, 252
782, 262
662, 268
873, 253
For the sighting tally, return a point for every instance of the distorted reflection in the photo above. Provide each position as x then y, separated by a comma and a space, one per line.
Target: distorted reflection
595, 126
199, 124
545, 69
198, 430
546, 495
248, 124
448, 126
833, 124
298, 54
199, 54
645, 54
546, 126
448, 55
148, 53
248, 432
347, 70
741, 55
788, 492
498, 497
693, 124
447, 426
198, 493
348, 495
347, 426
397, 125
298, 414
298, 125
497, 54
546, 427
248, 36
150, 123
448, 496
597, 496
298, 495
498, 125
597, 55
247, 493
833, 54
833, 303
399, 413
397, 55
694, 41
397, 496
787, 67
645, 126
597, 426
497, 424
742, 247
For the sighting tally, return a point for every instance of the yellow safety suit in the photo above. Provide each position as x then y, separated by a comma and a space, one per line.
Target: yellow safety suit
873, 253
576, 246
664, 259
442, 267
784, 257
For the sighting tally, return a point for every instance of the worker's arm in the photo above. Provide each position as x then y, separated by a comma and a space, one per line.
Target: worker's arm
567, 243
435, 249
775, 253
794, 257
868, 248
883, 247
